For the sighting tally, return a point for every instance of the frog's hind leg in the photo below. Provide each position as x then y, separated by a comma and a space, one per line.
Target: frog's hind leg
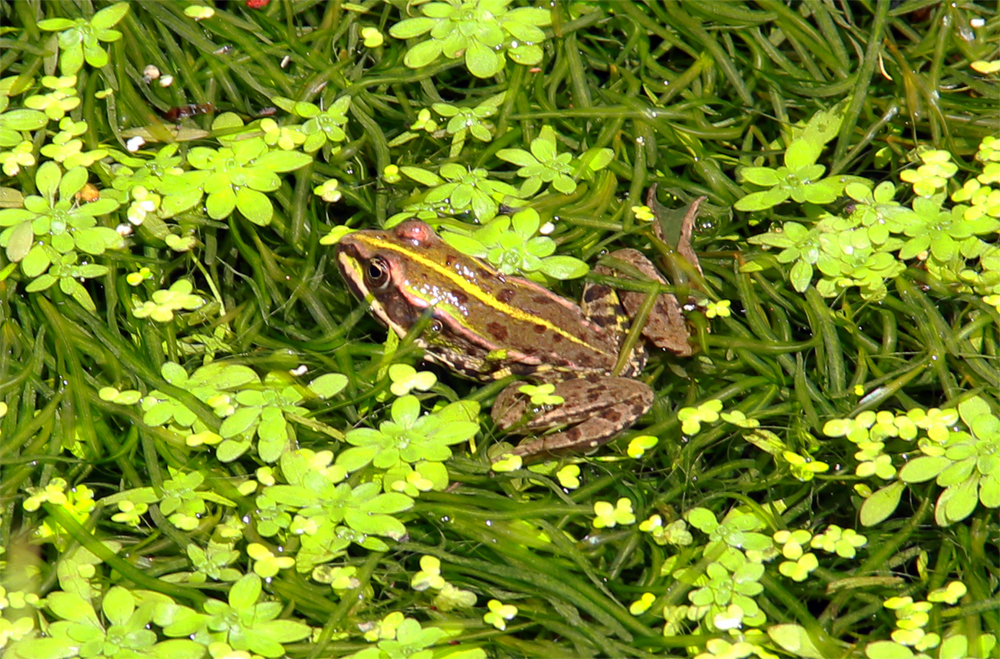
666, 327
595, 409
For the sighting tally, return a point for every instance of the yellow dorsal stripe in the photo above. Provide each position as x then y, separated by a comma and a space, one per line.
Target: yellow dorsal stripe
475, 291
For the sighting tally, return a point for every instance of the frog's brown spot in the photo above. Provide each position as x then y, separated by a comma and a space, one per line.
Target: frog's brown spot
498, 331
482, 274
595, 293
557, 338
602, 321
542, 299
539, 329
525, 369
593, 396
460, 297
612, 416
506, 295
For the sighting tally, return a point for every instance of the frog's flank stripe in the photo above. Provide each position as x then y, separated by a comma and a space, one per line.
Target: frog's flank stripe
475, 291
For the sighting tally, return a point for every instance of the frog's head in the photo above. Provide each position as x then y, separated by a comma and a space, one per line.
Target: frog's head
407, 272
384, 268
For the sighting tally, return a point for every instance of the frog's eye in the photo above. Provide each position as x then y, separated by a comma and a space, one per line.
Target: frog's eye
436, 326
377, 273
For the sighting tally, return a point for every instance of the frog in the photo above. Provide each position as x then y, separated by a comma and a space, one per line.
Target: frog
486, 325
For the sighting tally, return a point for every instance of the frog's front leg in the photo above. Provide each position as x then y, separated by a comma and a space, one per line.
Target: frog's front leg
596, 409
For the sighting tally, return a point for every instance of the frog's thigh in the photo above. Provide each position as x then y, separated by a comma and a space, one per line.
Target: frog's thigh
596, 408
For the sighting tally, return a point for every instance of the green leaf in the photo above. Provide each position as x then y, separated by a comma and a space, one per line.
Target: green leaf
56, 24
465, 244
328, 385
527, 55
74, 289
200, 157
225, 376
118, 605
388, 504
423, 176
956, 647
109, 16
24, 120
914, 246
519, 25
564, 184
180, 648
858, 191
973, 409
70, 606
101, 206
536, 16
96, 56
461, 197
245, 592
11, 216
19, 242
51, 648
357, 457
255, 206
702, 519
285, 631
564, 267
108, 35
261, 179
47, 179
283, 161
483, 207
272, 435
453, 171
412, 27
957, 472
36, 262
923, 468
758, 201
880, 505
888, 650
71, 60
422, 54
230, 450
239, 422
518, 157
544, 146
596, 159
821, 192
801, 275
365, 522
178, 203
97, 239
251, 397
221, 204
802, 153
956, 502
762, 176
825, 124
482, 61
989, 490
